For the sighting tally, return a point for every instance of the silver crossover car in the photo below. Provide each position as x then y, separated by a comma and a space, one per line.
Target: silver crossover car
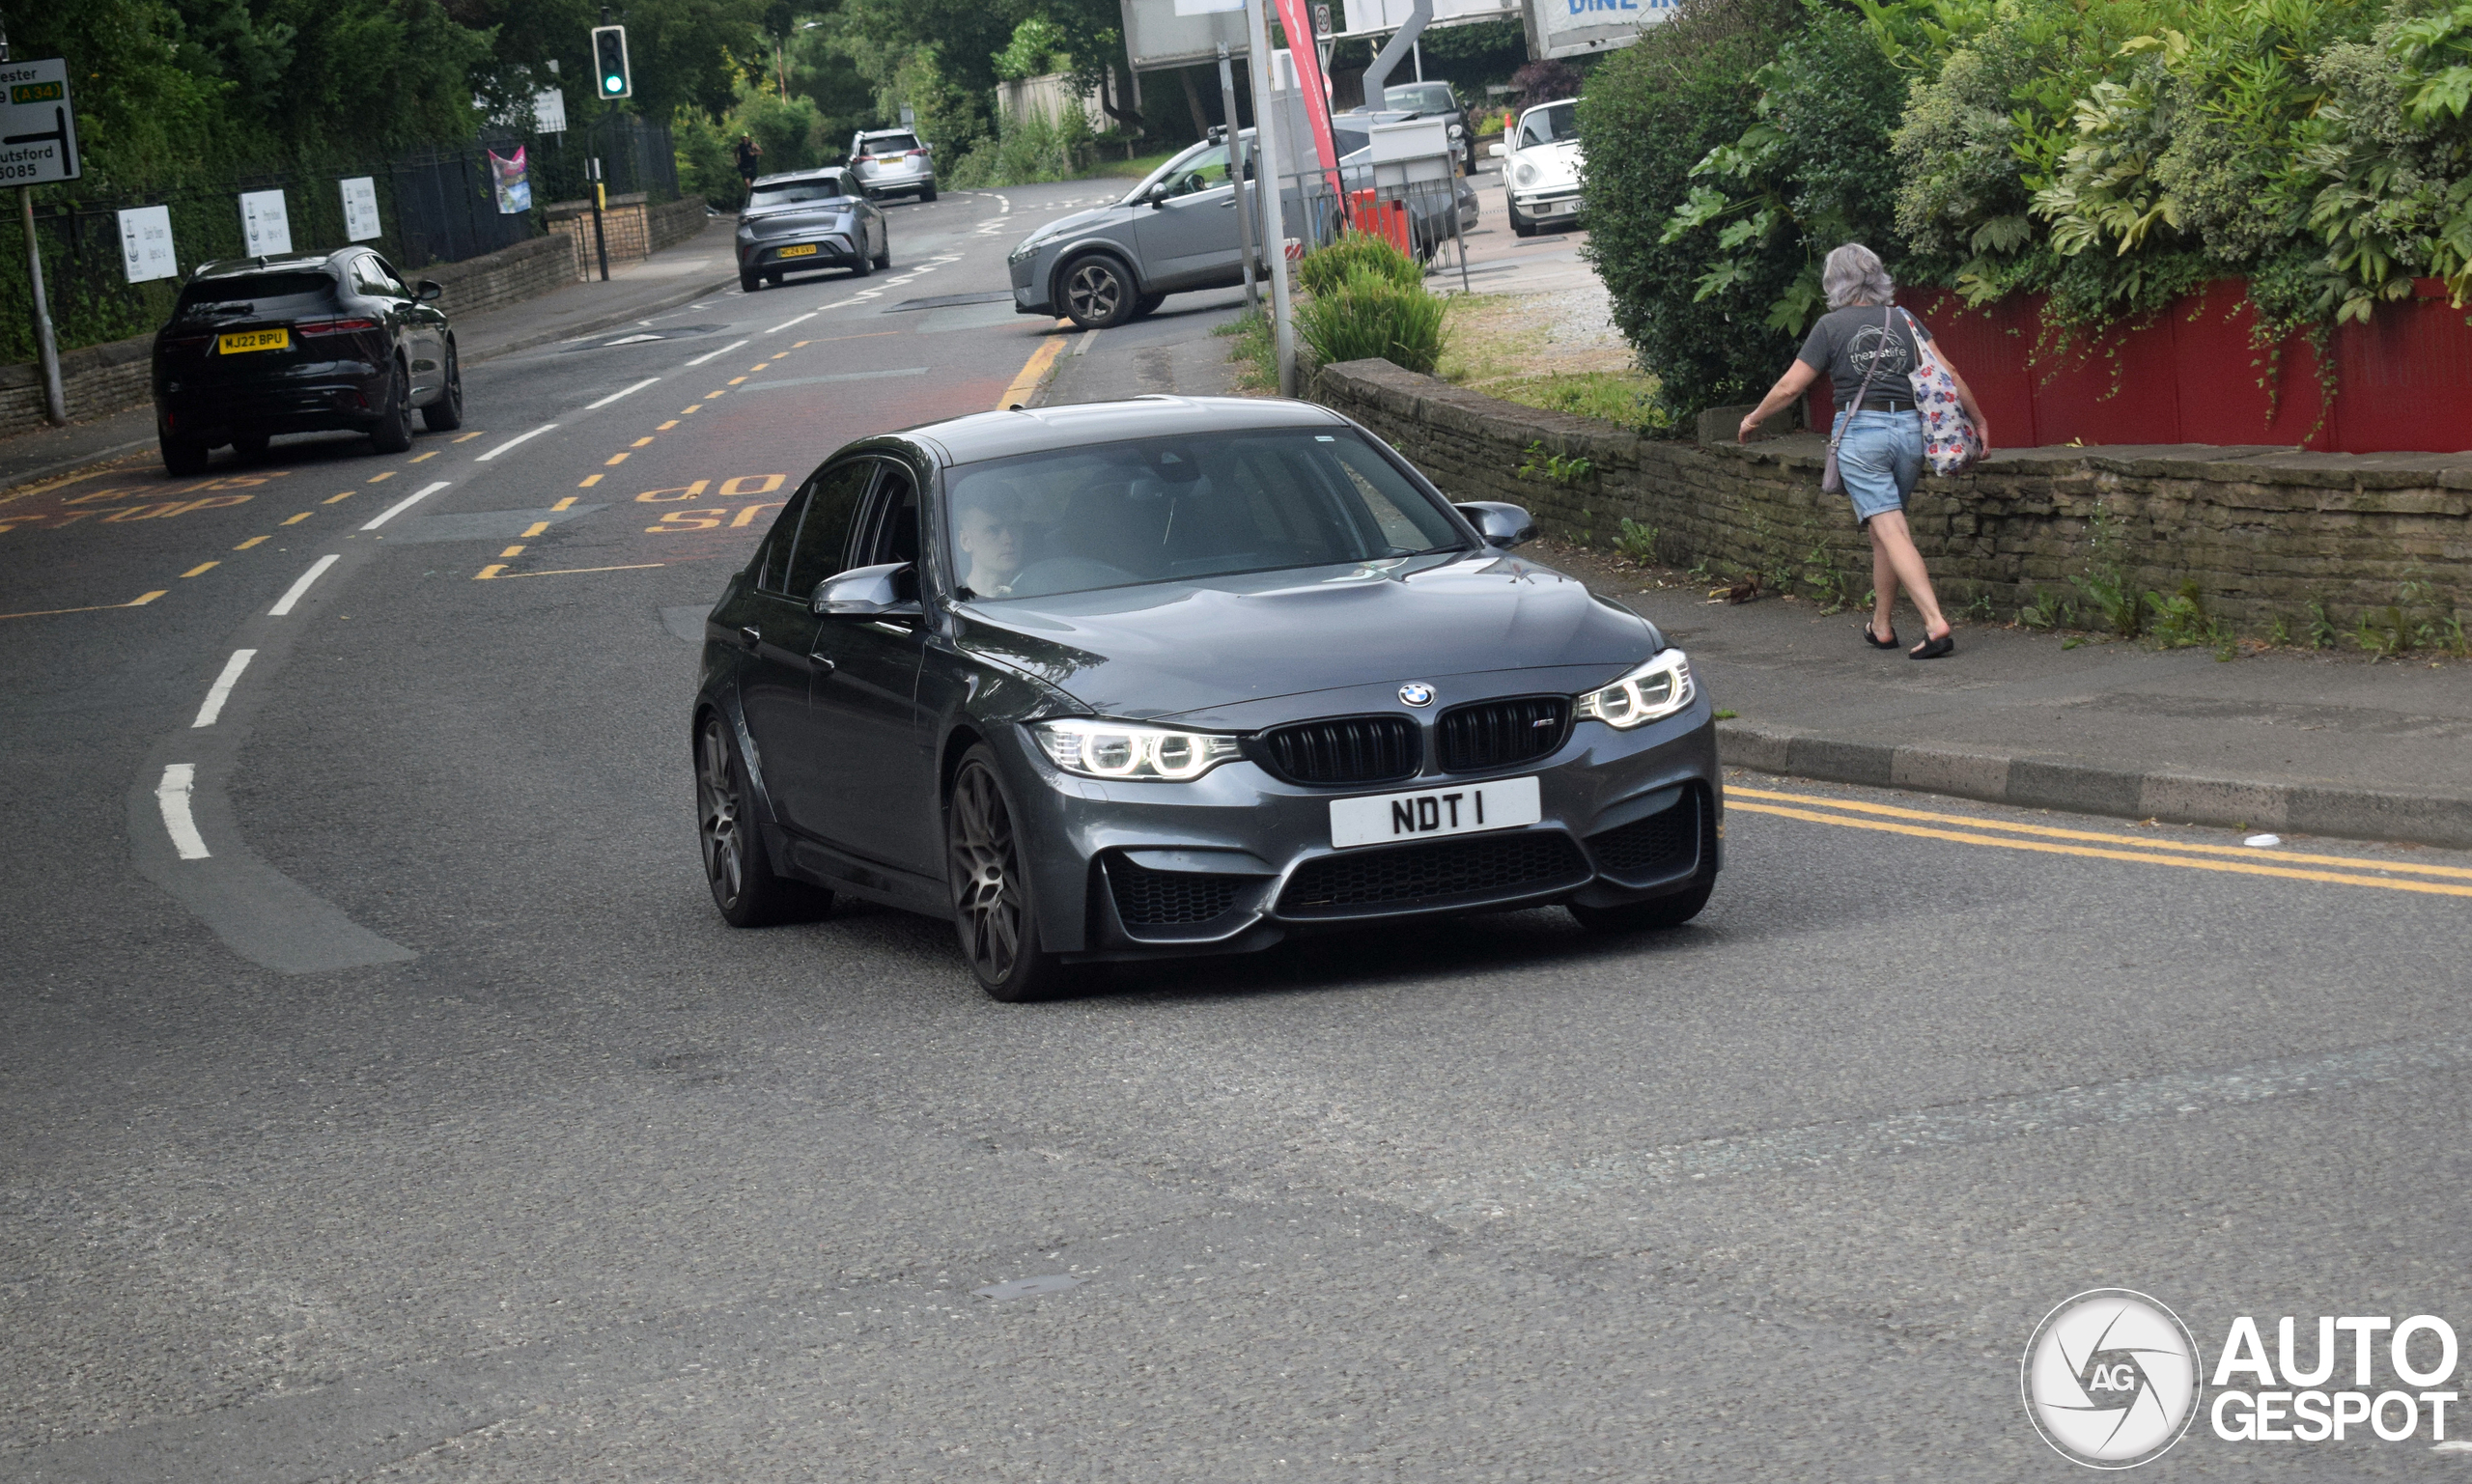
894, 163
1178, 231
1136, 680
809, 219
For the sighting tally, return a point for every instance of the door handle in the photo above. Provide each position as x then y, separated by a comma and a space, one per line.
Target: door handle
750, 638
823, 666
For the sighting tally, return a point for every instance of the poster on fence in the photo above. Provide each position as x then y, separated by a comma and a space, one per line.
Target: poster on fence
514, 188
361, 209
146, 244
265, 229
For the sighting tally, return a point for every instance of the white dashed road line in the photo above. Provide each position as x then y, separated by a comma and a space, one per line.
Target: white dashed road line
596, 406
800, 320
406, 503
221, 690
172, 796
293, 593
511, 443
724, 351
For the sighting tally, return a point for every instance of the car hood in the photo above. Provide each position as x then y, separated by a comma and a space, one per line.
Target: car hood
1213, 648
1078, 221
1555, 163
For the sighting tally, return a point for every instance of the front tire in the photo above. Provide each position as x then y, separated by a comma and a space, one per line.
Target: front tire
394, 434
737, 866
1519, 225
1098, 293
992, 905
1148, 305
446, 413
1649, 916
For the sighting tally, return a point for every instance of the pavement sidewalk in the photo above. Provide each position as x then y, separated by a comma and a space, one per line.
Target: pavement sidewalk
677, 275
2282, 741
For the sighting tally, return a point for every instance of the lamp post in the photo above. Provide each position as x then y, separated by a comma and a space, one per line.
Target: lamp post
1274, 229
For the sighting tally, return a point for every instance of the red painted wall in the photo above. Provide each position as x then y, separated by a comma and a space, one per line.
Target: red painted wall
2404, 380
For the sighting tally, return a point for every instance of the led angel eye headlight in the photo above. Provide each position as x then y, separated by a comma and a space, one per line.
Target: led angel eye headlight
1113, 749
1654, 690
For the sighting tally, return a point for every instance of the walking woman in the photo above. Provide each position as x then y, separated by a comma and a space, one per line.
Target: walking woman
1866, 348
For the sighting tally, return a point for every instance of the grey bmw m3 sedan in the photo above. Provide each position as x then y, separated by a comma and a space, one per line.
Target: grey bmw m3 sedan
1175, 676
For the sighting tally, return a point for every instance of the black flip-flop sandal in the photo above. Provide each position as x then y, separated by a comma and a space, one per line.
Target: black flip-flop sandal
1933, 648
1875, 641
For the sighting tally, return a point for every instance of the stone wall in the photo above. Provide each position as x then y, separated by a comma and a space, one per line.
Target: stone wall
94, 380
631, 227
508, 277
2260, 533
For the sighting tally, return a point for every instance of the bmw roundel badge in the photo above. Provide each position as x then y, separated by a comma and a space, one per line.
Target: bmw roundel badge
1417, 693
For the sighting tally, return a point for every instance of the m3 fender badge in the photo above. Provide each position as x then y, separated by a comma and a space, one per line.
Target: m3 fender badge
1417, 693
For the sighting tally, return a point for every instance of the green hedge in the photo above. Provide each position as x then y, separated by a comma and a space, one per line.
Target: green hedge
2110, 155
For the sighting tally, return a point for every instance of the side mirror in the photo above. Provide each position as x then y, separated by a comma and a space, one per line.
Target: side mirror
868, 591
1159, 195
1495, 151
1501, 524
432, 290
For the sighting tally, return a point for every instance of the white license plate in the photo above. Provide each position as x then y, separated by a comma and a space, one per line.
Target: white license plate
1460, 809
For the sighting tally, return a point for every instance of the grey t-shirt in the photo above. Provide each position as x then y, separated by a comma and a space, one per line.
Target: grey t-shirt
1843, 343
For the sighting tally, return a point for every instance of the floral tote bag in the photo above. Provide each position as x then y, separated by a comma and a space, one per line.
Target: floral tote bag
1951, 445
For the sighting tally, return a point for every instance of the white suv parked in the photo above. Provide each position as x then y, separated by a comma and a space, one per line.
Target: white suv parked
1541, 167
893, 162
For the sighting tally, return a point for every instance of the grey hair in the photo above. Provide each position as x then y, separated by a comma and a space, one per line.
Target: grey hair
1853, 275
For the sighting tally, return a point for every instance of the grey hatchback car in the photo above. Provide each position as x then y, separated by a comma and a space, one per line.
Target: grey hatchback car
1149, 679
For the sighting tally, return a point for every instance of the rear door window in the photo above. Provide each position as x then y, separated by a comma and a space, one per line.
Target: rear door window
833, 498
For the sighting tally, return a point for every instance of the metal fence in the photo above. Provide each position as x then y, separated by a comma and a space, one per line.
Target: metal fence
434, 205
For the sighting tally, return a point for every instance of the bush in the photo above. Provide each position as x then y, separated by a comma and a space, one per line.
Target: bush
1325, 268
1648, 115
1367, 315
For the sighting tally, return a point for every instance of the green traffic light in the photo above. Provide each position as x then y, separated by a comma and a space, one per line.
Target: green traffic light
613, 83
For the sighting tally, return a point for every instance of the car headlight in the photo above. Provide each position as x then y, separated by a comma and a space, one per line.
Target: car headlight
1656, 689
1524, 174
1457, 130
1116, 749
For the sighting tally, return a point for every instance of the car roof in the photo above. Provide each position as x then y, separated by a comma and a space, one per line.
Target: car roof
279, 262
984, 435
878, 133
818, 173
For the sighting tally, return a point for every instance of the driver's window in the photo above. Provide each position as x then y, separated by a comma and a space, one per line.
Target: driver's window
1534, 131
1205, 171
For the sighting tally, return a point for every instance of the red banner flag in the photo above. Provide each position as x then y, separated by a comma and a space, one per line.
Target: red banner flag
1295, 18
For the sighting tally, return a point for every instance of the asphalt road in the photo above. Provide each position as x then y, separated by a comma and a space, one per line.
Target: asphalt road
433, 1125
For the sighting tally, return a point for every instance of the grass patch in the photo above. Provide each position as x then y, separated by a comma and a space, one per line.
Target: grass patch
1255, 353
1627, 398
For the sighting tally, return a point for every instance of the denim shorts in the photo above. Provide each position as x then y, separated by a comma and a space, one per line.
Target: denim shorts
1879, 460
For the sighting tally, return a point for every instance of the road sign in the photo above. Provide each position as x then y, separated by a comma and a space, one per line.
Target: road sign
266, 226
146, 244
1575, 28
611, 73
38, 125
549, 110
361, 209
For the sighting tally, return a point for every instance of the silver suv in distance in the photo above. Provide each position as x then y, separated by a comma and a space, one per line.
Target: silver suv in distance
893, 162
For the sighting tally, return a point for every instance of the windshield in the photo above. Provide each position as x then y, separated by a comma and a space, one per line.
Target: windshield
1421, 98
791, 193
888, 144
1554, 124
1162, 510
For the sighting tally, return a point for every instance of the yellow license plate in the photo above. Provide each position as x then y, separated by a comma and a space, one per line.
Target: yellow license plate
802, 250
253, 340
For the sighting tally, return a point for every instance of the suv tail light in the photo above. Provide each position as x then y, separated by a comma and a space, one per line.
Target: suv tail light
334, 326
915, 154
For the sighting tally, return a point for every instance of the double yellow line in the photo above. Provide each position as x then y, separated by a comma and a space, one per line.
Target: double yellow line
2237, 859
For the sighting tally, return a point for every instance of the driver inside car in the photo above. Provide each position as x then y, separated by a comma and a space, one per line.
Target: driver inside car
988, 531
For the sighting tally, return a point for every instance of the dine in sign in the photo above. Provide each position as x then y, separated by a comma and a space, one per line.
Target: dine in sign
37, 124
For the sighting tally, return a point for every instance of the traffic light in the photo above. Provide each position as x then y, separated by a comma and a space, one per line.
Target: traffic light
610, 63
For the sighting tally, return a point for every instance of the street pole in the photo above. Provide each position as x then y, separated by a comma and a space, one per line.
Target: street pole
599, 244
1274, 229
1236, 168
55, 406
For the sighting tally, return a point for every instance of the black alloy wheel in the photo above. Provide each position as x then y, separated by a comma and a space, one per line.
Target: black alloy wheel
1651, 915
446, 413
393, 433
736, 864
1098, 295
991, 891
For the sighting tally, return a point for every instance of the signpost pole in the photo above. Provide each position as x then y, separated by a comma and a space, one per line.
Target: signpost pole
1274, 230
1236, 168
55, 406
599, 243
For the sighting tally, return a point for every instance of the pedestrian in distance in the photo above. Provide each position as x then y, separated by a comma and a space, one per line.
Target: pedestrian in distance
750, 153
1867, 348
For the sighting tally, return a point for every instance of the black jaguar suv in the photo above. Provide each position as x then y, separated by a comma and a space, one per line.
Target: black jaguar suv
301, 344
